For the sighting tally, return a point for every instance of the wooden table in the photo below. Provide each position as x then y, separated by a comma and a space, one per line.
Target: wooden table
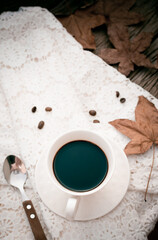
145, 77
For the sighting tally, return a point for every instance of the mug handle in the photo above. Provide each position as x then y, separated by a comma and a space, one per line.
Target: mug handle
71, 208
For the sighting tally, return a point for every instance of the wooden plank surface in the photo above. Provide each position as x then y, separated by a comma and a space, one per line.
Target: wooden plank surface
145, 77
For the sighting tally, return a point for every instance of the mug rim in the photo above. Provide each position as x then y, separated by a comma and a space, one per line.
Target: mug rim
87, 192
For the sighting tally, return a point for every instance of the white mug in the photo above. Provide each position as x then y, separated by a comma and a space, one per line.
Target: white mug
73, 198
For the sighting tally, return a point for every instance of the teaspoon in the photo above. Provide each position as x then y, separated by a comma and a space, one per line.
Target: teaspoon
16, 175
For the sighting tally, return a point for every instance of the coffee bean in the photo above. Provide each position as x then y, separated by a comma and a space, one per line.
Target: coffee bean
34, 109
122, 100
117, 94
41, 124
96, 121
48, 109
92, 112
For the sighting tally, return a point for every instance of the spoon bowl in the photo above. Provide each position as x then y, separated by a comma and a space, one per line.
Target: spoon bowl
15, 173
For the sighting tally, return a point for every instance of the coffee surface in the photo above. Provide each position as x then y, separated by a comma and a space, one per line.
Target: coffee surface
80, 166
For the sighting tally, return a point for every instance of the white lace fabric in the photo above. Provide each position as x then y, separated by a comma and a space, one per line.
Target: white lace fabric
42, 65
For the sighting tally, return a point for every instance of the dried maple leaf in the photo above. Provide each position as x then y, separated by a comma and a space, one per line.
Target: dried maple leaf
117, 11
80, 25
127, 53
144, 131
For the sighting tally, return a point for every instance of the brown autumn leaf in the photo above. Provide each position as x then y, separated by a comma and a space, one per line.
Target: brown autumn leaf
126, 52
144, 131
117, 11
80, 25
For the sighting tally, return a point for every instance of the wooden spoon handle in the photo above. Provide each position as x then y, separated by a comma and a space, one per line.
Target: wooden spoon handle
34, 221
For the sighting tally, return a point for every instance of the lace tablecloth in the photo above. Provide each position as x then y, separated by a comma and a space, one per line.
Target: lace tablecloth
42, 65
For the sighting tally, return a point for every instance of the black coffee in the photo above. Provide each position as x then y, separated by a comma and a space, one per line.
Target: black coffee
80, 166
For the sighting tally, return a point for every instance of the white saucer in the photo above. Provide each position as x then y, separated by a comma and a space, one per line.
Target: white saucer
89, 207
